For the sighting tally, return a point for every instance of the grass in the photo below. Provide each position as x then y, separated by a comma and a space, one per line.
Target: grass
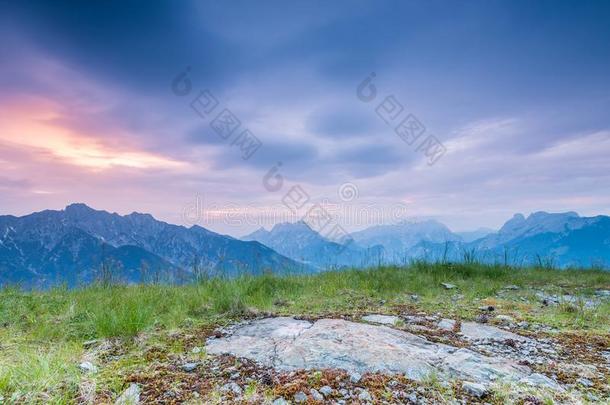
42, 333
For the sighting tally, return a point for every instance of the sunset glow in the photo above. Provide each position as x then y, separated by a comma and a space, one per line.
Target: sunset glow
35, 128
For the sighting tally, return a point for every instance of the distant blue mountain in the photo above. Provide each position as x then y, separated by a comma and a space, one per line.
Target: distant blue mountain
72, 245
471, 236
399, 240
561, 239
79, 244
301, 243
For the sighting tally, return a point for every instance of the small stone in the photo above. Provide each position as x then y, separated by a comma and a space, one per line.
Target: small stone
300, 397
196, 350
510, 287
343, 392
414, 297
280, 401
585, 382
232, 387
592, 397
234, 376
412, 397
188, 367
88, 367
487, 308
326, 390
131, 396
355, 378
448, 286
381, 319
602, 293
413, 319
316, 395
505, 319
446, 324
475, 389
365, 396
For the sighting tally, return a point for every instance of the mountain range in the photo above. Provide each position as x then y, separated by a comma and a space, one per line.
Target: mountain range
72, 245
79, 244
546, 239
299, 242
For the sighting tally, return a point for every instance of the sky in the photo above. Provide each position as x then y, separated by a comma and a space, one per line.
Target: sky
119, 105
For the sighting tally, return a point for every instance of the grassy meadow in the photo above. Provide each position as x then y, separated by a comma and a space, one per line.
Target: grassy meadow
44, 334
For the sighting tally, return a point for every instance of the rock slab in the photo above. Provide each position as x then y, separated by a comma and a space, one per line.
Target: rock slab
288, 344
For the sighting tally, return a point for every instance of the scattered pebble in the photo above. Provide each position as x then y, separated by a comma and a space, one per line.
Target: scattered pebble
316, 395
130, 396
505, 319
88, 367
448, 286
188, 367
446, 324
412, 397
300, 397
355, 378
365, 396
232, 387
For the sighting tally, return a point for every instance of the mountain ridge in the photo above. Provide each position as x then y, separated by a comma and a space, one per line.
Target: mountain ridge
70, 245
84, 238
299, 242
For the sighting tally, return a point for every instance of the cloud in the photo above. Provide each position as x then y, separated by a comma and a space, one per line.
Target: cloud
341, 122
87, 109
18, 184
372, 159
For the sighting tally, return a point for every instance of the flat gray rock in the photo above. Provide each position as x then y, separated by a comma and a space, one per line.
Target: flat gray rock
478, 331
382, 319
446, 324
289, 344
